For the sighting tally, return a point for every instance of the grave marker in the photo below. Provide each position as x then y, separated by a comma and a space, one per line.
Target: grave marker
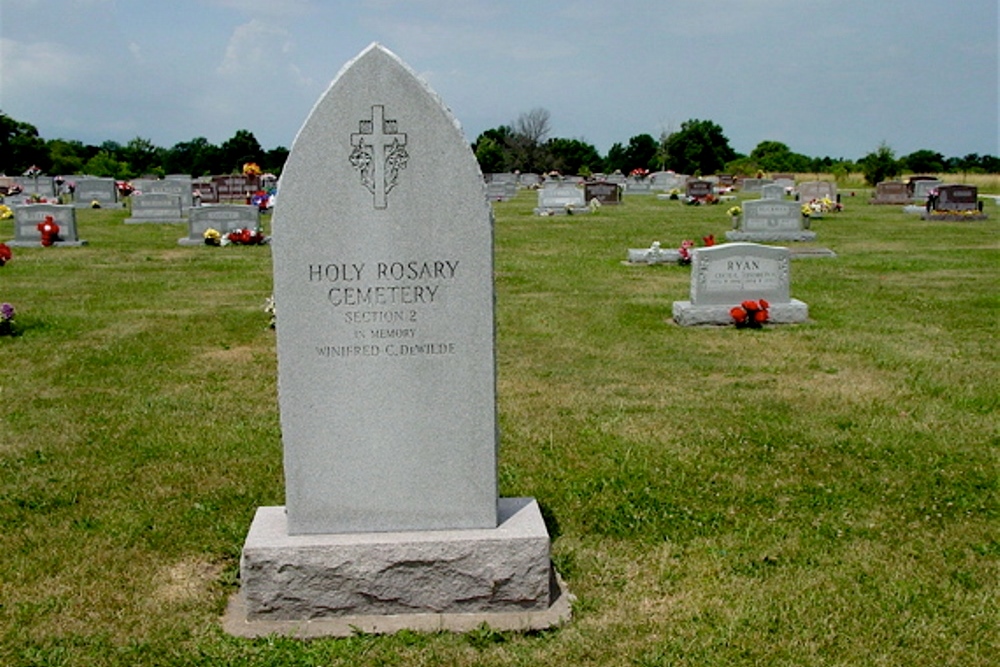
223, 218
771, 220
604, 192
723, 276
27, 218
155, 207
891, 192
386, 383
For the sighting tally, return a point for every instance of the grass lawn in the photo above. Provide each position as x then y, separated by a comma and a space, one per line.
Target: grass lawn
815, 494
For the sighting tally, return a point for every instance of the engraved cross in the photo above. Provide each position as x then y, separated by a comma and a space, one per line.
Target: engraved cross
378, 153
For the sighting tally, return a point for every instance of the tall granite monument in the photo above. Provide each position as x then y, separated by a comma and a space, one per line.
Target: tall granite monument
387, 385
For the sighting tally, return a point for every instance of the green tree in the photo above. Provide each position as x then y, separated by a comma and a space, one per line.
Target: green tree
104, 164
239, 149
617, 159
699, 146
641, 153
67, 157
923, 162
197, 157
572, 156
880, 165
775, 156
143, 157
20, 147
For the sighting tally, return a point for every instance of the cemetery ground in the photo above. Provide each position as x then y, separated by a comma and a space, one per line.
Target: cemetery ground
814, 494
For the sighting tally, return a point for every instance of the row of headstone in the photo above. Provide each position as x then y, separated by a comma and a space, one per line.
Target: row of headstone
723, 276
28, 217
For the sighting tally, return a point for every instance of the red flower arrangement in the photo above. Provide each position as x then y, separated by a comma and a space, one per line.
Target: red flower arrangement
709, 240
246, 237
49, 230
5, 253
750, 314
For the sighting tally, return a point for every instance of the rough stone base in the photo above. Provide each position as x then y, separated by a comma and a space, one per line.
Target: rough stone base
688, 315
327, 585
760, 237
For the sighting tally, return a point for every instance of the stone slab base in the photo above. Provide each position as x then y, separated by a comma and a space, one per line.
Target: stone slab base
809, 253
688, 315
38, 244
328, 584
760, 237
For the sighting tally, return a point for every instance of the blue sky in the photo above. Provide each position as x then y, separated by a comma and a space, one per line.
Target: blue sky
825, 77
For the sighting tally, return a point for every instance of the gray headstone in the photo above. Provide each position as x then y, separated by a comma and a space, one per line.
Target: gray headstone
754, 184
638, 186
386, 379
43, 186
104, 191
223, 218
922, 188
811, 190
155, 207
384, 300
772, 191
174, 185
558, 197
724, 276
771, 220
501, 190
27, 218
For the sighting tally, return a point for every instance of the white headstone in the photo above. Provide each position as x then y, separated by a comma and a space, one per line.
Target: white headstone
386, 374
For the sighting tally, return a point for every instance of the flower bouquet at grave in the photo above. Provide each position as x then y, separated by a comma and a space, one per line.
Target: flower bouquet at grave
49, 230
6, 319
750, 314
244, 237
5, 253
639, 173
684, 252
705, 200
6, 213
212, 237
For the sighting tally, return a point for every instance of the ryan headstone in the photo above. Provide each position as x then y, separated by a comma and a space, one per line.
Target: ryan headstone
386, 383
724, 276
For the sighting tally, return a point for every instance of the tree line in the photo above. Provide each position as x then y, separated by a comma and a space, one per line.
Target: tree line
699, 147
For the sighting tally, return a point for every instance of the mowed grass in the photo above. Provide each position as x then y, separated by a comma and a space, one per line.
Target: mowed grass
817, 494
